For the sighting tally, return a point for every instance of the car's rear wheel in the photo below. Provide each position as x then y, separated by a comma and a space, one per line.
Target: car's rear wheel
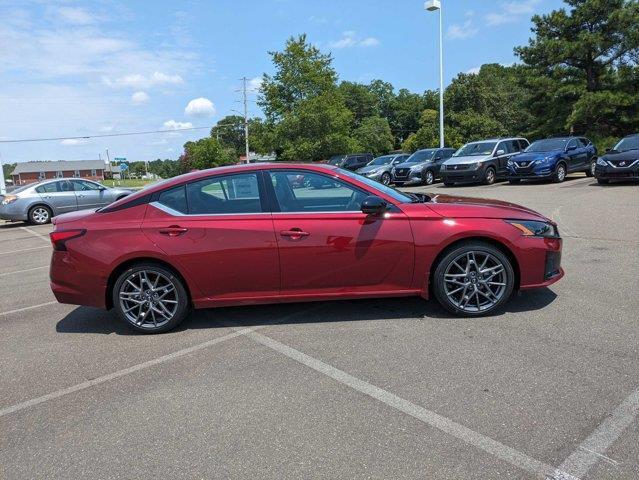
150, 298
590, 171
39, 215
560, 173
473, 279
489, 176
429, 177
386, 178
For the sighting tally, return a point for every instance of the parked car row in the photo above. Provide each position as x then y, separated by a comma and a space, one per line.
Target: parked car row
513, 159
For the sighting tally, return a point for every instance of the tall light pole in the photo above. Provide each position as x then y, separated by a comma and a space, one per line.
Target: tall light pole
431, 6
3, 187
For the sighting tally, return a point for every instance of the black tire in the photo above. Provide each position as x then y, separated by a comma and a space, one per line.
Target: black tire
386, 178
480, 248
490, 175
558, 176
449, 184
590, 171
603, 181
514, 180
39, 215
428, 177
181, 298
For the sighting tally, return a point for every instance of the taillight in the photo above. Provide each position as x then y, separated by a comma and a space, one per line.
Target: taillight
61, 237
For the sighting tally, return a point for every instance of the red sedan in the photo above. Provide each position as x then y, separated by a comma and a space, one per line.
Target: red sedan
249, 234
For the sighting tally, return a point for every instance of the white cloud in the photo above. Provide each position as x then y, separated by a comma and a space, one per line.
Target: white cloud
255, 84
465, 30
200, 107
138, 98
74, 141
138, 80
473, 71
350, 39
173, 125
511, 12
75, 16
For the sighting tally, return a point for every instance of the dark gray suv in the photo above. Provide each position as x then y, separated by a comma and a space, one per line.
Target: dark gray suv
423, 166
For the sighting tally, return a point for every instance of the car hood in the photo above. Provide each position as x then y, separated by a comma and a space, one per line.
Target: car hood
532, 156
408, 164
371, 168
629, 155
466, 160
452, 206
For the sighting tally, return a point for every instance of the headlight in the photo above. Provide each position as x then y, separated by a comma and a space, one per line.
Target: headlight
476, 166
9, 199
531, 228
602, 162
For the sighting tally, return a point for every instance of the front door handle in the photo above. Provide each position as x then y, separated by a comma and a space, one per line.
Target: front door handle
173, 231
294, 233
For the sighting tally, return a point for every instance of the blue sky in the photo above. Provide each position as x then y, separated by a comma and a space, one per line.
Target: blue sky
83, 68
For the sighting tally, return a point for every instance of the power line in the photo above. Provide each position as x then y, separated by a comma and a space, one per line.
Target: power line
122, 134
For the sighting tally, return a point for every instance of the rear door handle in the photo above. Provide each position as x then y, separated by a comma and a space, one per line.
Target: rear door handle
294, 233
173, 231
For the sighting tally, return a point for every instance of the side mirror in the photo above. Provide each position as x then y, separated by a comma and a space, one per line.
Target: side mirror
499, 153
571, 147
373, 205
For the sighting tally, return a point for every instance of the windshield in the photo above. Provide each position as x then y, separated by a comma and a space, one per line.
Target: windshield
385, 160
336, 160
475, 149
628, 143
421, 156
21, 189
548, 145
390, 191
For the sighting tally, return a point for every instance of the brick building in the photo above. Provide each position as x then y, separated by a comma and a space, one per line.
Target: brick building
30, 172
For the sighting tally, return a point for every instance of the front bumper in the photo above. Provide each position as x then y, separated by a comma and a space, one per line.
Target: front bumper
617, 173
541, 264
12, 214
410, 178
536, 172
463, 176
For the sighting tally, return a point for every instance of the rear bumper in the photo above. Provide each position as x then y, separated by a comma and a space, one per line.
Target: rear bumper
74, 285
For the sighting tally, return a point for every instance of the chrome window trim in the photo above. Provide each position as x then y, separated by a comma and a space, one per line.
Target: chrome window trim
175, 213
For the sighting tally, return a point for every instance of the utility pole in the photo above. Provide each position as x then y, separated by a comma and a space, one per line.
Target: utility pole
246, 132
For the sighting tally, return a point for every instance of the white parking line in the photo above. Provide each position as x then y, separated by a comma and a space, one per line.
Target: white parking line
478, 440
609, 430
24, 309
22, 271
25, 250
33, 232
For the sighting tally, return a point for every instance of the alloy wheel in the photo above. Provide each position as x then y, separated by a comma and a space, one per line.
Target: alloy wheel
561, 173
386, 178
490, 176
148, 299
475, 281
430, 178
593, 166
40, 215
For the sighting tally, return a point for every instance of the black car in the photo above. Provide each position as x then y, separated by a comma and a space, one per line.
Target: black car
352, 161
620, 163
423, 166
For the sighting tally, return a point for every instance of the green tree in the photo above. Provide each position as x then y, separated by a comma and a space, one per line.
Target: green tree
165, 168
301, 73
374, 135
428, 134
230, 131
358, 99
7, 168
581, 60
206, 153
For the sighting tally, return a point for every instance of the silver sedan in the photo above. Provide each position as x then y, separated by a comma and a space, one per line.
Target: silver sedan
37, 203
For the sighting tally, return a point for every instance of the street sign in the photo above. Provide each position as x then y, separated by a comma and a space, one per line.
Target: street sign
123, 167
120, 159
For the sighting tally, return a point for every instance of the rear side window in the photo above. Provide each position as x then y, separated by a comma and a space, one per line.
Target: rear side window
225, 194
47, 188
174, 198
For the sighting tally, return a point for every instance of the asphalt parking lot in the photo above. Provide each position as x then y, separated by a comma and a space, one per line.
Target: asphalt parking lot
392, 388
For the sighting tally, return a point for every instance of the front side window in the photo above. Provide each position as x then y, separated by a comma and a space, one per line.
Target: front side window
572, 144
83, 185
224, 194
318, 193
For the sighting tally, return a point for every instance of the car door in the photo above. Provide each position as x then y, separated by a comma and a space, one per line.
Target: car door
327, 245
223, 239
501, 160
576, 155
438, 159
59, 195
90, 195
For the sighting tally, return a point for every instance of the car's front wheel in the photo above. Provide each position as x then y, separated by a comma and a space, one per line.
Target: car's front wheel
39, 215
386, 178
590, 171
490, 176
560, 173
150, 298
473, 279
429, 177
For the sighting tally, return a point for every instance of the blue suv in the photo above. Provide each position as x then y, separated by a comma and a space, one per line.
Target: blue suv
553, 158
